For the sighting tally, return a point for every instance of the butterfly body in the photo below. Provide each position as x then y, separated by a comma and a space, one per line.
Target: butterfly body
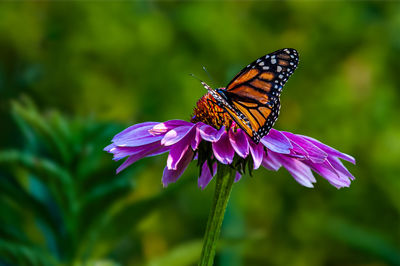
252, 98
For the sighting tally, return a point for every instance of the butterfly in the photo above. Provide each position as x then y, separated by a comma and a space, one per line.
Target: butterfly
252, 98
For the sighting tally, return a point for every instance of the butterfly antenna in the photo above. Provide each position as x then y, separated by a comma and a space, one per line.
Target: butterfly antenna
194, 76
208, 74
202, 82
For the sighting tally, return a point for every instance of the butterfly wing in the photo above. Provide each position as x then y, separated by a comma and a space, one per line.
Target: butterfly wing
252, 97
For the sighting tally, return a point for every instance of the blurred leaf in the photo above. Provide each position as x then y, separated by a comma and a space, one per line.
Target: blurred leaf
41, 166
14, 192
187, 253
63, 180
30, 118
366, 240
127, 217
24, 255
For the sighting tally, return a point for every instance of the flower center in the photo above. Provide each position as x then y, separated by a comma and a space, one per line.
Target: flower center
208, 112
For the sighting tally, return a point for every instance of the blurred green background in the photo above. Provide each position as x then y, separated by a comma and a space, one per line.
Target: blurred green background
73, 74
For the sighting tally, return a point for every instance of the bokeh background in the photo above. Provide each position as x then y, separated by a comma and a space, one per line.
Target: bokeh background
73, 74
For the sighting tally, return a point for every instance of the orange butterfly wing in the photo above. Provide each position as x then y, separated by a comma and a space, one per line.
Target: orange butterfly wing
252, 97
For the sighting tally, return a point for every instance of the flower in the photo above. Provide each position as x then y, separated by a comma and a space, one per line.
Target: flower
213, 138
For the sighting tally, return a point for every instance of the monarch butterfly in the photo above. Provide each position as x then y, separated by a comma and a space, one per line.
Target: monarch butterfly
252, 97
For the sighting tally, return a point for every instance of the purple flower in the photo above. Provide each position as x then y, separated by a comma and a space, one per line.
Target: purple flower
187, 141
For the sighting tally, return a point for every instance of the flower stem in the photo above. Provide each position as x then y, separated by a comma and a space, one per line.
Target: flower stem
223, 187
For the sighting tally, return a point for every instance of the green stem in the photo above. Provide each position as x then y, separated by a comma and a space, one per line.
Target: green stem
223, 187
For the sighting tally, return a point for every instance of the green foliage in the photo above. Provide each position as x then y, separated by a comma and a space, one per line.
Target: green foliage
58, 192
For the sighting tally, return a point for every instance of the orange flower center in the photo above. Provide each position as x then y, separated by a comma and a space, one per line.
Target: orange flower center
208, 112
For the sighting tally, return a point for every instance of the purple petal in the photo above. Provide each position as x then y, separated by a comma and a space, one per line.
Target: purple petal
300, 171
298, 151
109, 147
121, 152
257, 152
177, 151
223, 150
146, 153
175, 135
327, 171
128, 130
338, 165
271, 162
331, 151
315, 154
209, 133
161, 128
206, 175
170, 176
277, 142
239, 142
195, 140
238, 177
136, 137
